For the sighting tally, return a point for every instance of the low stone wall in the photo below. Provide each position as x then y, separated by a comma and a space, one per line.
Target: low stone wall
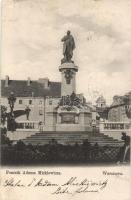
20, 134
116, 134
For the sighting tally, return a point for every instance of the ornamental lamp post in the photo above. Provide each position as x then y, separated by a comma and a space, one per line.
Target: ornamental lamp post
11, 119
11, 102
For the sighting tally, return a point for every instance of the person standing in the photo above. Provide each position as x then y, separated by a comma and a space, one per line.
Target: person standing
40, 126
126, 139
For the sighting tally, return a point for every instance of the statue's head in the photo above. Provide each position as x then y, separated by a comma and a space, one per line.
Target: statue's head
68, 32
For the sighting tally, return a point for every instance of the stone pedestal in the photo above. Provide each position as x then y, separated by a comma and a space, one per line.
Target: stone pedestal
77, 119
51, 119
71, 114
68, 83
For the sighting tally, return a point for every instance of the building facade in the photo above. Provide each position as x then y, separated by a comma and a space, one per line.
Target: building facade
48, 110
118, 111
38, 96
101, 102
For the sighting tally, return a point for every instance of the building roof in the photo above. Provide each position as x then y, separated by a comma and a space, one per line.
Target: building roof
35, 88
100, 99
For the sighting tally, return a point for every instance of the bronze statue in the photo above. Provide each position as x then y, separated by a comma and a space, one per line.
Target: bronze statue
68, 47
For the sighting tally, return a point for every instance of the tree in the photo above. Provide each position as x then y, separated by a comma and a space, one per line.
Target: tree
3, 114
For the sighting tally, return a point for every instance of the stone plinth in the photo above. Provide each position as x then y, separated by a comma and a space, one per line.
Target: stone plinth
68, 83
73, 127
50, 123
68, 66
73, 119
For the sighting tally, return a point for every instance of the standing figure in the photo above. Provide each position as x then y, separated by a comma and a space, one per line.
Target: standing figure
27, 112
40, 126
68, 47
124, 152
126, 139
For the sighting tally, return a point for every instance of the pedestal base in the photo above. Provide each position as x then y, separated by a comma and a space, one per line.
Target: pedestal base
68, 73
72, 127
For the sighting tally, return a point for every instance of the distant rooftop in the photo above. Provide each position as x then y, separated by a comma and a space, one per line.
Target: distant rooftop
101, 99
27, 88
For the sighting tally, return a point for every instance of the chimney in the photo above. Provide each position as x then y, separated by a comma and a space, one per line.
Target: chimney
6, 81
45, 82
28, 81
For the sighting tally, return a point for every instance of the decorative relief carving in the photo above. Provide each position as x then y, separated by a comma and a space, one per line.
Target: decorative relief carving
68, 75
70, 101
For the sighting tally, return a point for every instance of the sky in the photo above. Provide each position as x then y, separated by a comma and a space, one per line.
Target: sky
31, 42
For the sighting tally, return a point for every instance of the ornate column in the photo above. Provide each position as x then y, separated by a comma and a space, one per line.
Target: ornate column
68, 83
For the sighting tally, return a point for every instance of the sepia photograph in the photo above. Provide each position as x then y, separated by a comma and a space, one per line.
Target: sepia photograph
65, 83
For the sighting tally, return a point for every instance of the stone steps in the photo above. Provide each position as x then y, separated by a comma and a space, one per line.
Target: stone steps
71, 138
69, 135
76, 138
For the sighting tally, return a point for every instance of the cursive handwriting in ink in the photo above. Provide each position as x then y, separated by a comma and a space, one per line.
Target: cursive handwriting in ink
73, 182
85, 190
13, 183
71, 186
61, 190
31, 183
42, 182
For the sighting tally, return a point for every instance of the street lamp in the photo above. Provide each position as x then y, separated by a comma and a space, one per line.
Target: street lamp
11, 101
11, 119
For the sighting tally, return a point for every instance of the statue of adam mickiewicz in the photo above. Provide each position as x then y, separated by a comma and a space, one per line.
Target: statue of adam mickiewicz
68, 47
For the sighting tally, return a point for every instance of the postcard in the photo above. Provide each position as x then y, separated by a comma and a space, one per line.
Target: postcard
65, 99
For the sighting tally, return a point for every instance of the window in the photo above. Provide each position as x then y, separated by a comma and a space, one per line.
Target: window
40, 112
20, 101
30, 102
40, 102
50, 102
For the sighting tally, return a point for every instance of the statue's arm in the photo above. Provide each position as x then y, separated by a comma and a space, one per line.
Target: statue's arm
64, 39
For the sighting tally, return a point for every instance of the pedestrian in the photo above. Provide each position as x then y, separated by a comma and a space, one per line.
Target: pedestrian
126, 139
122, 155
40, 126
